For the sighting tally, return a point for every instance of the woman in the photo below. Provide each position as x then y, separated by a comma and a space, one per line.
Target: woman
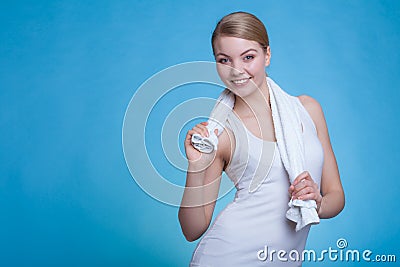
254, 224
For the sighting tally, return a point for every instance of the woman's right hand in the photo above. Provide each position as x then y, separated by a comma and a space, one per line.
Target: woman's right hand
195, 157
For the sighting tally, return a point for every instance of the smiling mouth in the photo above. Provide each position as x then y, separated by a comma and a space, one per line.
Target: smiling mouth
240, 81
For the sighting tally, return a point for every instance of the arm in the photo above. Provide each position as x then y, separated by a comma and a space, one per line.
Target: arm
202, 185
330, 197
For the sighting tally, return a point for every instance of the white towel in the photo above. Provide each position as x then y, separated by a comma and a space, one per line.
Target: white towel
288, 132
218, 115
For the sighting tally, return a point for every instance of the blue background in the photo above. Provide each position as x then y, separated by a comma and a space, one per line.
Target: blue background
68, 70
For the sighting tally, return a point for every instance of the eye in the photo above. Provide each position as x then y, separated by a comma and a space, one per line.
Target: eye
248, 57
223, 60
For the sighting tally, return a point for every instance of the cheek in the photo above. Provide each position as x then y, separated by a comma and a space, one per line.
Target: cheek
223, 70
257, 66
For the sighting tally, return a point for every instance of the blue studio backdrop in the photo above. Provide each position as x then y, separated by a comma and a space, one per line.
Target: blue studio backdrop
68, 70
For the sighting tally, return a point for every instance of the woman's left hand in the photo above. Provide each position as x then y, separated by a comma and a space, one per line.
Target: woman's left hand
304, 188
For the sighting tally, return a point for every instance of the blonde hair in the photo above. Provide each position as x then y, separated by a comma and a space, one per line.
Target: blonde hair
241, 25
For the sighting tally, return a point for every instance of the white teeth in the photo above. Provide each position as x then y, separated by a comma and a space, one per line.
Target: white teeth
240, 81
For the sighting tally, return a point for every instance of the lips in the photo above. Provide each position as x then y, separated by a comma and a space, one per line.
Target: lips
241, 81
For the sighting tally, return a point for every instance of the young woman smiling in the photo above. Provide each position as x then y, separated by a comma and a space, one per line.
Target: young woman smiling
254, 220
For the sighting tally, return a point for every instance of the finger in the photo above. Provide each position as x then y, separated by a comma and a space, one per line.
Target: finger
202, 131
309, 196
307, 182
189, 136
203, 128
302, 192
298, 192
300, 177
204, 123
291, 189
302, 184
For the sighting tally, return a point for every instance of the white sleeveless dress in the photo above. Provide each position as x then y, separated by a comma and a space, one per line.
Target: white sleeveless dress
256, 220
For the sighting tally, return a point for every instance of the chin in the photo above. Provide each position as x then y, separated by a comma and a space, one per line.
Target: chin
244, 91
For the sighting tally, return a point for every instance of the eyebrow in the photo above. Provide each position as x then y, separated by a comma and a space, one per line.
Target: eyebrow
248, 50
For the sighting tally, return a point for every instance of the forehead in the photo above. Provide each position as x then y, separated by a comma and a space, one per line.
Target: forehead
234, 46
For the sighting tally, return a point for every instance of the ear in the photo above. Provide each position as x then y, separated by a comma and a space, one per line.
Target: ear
267, 56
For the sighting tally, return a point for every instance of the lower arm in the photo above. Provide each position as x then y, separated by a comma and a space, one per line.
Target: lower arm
192, 213
331, 205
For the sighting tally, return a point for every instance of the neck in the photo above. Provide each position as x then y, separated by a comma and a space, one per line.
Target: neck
255, 104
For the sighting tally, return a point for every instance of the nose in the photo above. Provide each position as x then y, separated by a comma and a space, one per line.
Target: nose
237, 69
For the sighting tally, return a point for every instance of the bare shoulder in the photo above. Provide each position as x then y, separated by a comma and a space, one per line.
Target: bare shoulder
310, 103
314, 109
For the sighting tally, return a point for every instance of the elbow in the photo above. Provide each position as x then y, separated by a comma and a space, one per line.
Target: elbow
190, 237
187, 230
343, 202
189, 234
